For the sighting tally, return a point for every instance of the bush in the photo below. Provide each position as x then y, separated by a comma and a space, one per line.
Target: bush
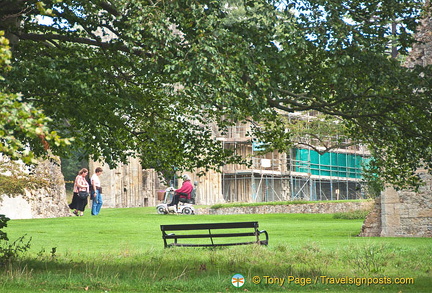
352, 215
291, 202
3, 223
18, 179
10, 250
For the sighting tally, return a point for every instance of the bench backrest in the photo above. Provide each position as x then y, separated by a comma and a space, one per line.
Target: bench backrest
207, 226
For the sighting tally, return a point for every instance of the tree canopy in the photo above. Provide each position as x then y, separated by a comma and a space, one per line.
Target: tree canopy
152, 78
21, 124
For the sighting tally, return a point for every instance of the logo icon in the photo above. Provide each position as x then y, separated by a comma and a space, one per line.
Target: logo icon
256, 280
238, 280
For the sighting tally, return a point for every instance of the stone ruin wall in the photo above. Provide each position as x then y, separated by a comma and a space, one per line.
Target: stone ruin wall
421, 53
403, 213
49, 202
127, 185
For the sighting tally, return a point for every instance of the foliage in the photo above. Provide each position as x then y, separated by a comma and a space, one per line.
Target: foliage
9, 251
371, 259
321, 133
3, 223
21, 124
14, 185
15, 178
352, 215
71, 164
245, 204
157, 79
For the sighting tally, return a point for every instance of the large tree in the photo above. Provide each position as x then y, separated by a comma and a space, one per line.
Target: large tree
21, 124
148, 78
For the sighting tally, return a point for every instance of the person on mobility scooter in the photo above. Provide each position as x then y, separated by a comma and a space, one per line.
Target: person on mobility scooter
183, 194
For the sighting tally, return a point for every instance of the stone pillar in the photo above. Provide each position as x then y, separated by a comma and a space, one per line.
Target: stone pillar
390, 212
209, 188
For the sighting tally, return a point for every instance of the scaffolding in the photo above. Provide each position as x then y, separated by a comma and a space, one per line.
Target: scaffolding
301, 173
256, 187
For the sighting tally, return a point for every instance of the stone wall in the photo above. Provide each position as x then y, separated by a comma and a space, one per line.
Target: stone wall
127, 185
403, 213
307, 208
421, 53
48, 202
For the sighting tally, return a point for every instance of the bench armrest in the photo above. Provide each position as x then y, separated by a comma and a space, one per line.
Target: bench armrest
164, 236
266, 234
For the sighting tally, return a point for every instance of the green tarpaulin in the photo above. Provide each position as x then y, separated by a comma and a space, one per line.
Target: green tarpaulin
329, 164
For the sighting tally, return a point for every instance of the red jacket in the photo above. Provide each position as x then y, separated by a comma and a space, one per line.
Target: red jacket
186, 188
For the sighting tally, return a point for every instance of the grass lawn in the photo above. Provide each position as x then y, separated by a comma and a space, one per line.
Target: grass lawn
121, 250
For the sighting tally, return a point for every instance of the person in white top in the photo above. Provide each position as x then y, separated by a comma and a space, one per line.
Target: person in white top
97, 195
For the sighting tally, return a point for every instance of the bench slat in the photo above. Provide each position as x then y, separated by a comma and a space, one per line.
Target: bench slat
262, 242
209, 226
171, 236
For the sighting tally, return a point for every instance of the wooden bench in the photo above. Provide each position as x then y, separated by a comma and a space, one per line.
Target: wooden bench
246, 229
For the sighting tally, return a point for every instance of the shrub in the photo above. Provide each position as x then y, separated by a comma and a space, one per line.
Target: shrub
10, 250
3, 223
14, 179
352, 215
248, 204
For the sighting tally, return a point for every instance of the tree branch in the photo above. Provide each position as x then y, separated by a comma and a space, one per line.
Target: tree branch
326, 148
110, 8
80, 40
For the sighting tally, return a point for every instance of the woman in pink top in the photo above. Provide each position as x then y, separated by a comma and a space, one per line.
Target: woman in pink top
184, 191
78, 204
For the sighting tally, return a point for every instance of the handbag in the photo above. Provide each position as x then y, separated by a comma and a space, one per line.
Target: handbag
83, 194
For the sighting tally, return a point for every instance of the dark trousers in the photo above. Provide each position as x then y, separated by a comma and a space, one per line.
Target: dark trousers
176, 198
